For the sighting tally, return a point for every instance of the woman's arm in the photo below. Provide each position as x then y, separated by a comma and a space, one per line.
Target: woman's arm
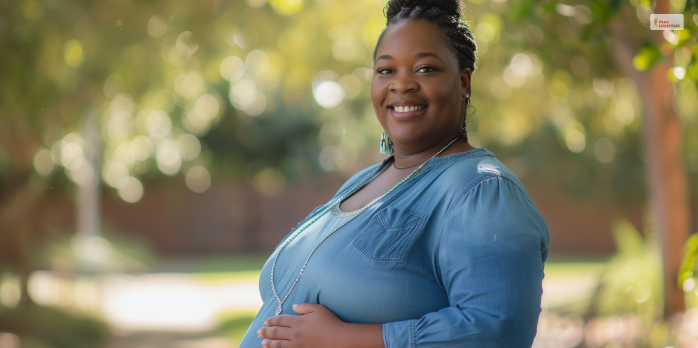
490, 262
317, 326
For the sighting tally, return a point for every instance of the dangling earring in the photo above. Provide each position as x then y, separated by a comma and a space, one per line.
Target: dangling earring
386, 145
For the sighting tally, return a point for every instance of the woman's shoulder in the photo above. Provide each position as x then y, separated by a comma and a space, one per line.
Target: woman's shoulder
466, 170
491, 192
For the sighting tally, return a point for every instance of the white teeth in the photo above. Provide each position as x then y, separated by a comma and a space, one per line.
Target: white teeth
408, 108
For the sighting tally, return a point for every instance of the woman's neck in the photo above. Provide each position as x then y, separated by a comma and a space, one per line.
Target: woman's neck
408, 158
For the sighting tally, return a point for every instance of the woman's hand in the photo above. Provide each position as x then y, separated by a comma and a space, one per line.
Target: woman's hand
317, 326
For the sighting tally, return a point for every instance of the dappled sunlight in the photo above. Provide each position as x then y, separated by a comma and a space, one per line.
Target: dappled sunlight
157, 302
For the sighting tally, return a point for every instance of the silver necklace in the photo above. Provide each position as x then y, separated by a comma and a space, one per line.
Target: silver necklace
356, 213
414, 165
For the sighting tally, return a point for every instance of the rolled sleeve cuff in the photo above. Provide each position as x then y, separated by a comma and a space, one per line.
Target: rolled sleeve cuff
400, 334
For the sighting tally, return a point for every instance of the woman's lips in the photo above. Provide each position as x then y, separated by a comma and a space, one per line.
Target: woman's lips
407, 111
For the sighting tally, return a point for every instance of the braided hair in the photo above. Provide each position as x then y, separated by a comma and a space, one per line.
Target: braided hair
444, 13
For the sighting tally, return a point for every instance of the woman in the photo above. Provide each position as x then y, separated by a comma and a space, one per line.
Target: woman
439, 245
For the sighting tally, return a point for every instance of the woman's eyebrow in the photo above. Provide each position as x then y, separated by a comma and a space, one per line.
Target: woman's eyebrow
427, 54
418, 55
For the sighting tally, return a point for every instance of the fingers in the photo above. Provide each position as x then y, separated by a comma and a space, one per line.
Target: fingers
278, 332
306, 308
271, 343
280, 320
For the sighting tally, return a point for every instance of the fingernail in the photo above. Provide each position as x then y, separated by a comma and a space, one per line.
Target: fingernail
295, 305
259, 332
265, 324
264, 343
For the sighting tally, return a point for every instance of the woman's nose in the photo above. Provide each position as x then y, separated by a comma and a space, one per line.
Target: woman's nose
404, 83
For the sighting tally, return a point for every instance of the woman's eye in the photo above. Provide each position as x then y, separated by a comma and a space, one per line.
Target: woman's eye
384, 71
426, 69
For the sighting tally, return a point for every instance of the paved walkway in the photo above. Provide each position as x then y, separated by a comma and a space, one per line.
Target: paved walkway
168, 340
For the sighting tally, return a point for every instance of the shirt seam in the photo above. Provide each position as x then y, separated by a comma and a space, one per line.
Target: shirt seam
413, 334
474, 153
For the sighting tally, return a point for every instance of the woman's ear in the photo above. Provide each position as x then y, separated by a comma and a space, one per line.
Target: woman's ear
465, 83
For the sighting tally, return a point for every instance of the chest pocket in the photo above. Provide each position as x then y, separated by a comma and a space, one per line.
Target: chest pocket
390, 235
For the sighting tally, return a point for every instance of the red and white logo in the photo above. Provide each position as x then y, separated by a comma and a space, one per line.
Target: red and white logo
666, 21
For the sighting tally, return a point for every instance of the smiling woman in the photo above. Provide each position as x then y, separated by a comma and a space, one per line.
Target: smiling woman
437, 246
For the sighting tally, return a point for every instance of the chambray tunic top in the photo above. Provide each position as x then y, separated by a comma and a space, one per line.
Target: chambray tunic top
452, 258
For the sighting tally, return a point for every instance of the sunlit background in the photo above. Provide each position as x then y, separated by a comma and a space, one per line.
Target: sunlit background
153, 153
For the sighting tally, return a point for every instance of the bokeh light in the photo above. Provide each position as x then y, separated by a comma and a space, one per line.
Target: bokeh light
270, 181
168, 158
232, 68
9, 291
604, 150
83, 174
43, 162
198, 179
328, 94
73, 53
115, 174
188, 147
131, 191
575, 141
157, 26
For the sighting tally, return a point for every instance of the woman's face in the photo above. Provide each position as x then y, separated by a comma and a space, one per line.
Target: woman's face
418, 89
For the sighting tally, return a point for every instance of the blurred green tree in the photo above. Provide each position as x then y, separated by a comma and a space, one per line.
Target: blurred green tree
123, 93
612, 38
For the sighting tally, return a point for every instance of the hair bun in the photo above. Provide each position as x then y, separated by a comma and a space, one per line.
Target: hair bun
451, 7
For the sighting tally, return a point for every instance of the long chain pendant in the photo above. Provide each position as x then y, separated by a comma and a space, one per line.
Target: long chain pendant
278, 309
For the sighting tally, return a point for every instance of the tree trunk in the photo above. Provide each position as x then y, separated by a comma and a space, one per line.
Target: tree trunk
25, 266
16, 214
89, 206
662, 140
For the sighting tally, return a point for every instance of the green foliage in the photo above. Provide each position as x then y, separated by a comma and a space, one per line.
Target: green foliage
126, 59
684, 36
689, 263
520, 10
234, 325
47, 327
121, 253
632, 282
604, 10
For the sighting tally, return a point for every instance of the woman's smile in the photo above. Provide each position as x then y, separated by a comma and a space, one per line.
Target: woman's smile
403, 110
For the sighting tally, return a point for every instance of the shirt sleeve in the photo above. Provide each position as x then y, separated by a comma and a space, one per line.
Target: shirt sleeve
490, 259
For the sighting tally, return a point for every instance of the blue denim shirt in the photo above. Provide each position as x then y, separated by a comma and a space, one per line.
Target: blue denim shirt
452, 258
